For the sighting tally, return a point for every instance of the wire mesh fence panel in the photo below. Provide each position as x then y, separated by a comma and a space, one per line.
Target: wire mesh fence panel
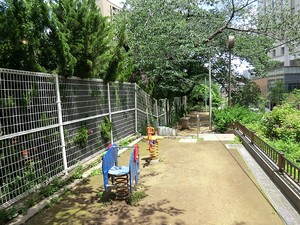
123, 124
28, 160
161, 112
122, 96
141, 122
27, 101
83, 140
29, 139
33, 128
83, 98
150, 108
141, 100
127, 96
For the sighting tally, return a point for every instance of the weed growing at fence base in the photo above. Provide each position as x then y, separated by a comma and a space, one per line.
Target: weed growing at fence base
96, 172
44, 192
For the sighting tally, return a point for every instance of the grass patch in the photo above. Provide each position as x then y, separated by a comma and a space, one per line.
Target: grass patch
106, 198
96, 172
236, 140
136, 197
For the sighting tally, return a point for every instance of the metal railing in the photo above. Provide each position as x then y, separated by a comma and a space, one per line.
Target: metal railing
283, 164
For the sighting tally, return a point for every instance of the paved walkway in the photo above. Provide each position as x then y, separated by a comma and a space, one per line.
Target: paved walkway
283, 207
274, 195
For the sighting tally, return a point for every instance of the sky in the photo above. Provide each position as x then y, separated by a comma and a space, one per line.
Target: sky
117, 2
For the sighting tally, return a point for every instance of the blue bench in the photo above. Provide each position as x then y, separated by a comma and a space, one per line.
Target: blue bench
120, 178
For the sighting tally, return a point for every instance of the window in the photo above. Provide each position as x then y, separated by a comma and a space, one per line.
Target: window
292, 6
282, 50
274, 53
273, 4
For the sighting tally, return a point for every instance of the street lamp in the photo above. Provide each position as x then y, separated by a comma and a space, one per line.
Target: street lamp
210, 95
230, 46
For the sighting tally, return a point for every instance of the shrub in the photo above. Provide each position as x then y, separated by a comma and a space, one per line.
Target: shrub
282, 123
225, 117
105, 129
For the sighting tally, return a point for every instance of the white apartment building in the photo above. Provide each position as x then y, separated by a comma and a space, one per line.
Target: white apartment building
288, 69
107, 7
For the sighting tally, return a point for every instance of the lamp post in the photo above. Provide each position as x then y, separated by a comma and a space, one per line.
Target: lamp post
210, 96
208, 65
230, 46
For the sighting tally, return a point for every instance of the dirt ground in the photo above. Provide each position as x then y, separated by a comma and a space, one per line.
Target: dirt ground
203, 124
193, 183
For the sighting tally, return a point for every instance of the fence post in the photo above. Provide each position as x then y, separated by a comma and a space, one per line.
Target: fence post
147, 113
165, 104
281, 162
251, 137
198, 124
109, 111
61, 128
135, 105
157, 120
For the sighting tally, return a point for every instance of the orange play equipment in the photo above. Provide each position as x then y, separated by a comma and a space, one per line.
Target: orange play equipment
153, 142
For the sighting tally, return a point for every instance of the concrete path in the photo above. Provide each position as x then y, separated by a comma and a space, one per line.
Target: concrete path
274, 195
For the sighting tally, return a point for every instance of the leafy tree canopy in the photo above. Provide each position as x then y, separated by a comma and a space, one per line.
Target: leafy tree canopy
67, 37
248, 95
171, 40
23, 25
277, 93
293, 99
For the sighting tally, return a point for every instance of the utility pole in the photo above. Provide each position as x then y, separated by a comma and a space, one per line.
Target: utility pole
230, 46
210, 95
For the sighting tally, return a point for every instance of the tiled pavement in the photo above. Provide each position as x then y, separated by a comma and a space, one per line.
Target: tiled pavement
274, 195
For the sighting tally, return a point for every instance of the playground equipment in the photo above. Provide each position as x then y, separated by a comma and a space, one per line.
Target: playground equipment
153, 142
120, 178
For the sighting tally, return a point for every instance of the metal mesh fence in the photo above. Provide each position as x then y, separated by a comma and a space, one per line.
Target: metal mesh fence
27, 101
48, 124
83, 98
28, 160
141, 122
123, 124
83, 140
161, 104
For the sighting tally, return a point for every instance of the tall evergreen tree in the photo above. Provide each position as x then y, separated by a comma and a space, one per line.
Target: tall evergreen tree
23, 25
120, 66
81, 36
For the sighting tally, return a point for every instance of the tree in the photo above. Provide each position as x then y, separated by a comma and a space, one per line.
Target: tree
171, 40
162, 53
80, 37
293, 99
200, 96
24, 25
248, 95
276, 93
120, 66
